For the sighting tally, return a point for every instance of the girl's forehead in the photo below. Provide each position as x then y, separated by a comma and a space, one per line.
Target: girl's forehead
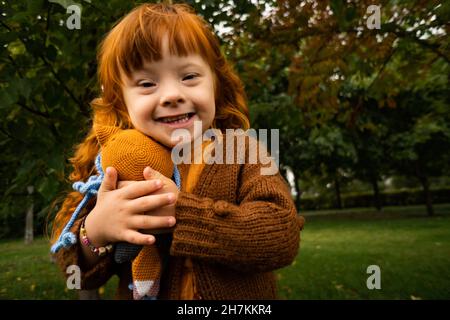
163, 53
174, 61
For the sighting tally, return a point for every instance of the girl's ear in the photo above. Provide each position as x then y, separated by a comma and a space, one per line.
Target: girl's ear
104, 132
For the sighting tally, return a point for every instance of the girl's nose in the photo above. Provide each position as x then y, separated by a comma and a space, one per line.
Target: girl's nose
172, 101
172, 97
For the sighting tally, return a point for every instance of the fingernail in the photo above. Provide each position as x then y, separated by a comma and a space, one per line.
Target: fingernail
171, 197
108, 171
171, 221
151, 240
158, 183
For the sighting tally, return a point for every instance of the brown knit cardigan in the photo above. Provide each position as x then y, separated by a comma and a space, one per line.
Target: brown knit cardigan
237, 226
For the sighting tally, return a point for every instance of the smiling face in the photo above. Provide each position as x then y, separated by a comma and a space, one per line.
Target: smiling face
169, 94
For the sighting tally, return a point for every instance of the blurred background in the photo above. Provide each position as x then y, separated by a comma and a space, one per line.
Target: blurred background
358, 89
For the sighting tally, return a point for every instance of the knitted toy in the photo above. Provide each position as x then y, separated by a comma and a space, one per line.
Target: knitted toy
130, 152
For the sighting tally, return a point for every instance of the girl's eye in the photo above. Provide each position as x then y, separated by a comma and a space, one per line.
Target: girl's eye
190, 76
146, 84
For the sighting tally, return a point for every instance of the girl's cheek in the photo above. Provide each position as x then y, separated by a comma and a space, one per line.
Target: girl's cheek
144, 103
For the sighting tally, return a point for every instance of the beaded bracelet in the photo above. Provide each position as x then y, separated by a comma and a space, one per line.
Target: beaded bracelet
100, 251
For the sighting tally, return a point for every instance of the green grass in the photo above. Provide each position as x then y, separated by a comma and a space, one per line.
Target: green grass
28, 273
412, 250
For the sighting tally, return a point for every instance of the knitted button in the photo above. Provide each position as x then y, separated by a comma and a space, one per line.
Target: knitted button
221, 208
198, 297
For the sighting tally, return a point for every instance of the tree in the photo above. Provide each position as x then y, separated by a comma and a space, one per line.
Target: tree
48, 78
311, 69
420, 137
339, 68
47, 81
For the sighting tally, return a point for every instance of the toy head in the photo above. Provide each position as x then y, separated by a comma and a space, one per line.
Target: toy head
130, 151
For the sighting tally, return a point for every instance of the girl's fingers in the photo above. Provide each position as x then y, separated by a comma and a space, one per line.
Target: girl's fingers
144, 222
138, 238
123, 183
149, 174
109, 181
141, 188
151, 202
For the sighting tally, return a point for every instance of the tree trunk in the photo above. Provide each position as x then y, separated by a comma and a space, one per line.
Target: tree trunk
376, 193
338, 192
29, 218
427, 193
426, 189
284, 171
299, 192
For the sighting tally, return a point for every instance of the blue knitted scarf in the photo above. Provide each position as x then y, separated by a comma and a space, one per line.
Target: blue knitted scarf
90, 188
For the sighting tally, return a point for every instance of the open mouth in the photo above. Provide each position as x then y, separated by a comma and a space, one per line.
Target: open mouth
177, 119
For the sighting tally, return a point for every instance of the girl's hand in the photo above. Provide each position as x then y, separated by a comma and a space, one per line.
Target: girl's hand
119, 214
169, 186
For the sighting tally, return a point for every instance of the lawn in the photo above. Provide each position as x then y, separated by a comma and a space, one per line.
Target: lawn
412, 251
29, 273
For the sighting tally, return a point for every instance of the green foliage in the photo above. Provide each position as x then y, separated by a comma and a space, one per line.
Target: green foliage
350, 103
404, 197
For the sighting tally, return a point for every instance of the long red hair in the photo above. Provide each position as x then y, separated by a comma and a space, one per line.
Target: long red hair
137, 38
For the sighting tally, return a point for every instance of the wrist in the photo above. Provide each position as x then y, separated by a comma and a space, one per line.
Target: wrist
98, 250
90, 229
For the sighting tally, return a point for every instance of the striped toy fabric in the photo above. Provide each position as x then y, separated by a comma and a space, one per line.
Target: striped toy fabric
125, 252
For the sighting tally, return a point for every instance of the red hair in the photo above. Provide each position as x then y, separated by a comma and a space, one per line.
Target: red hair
137, 38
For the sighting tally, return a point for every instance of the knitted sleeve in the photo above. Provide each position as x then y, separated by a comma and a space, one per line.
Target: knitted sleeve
260, 233
92, 278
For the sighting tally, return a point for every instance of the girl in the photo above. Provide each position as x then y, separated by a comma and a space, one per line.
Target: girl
226, 227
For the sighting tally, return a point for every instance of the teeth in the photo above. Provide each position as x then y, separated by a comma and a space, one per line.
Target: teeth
178, 119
